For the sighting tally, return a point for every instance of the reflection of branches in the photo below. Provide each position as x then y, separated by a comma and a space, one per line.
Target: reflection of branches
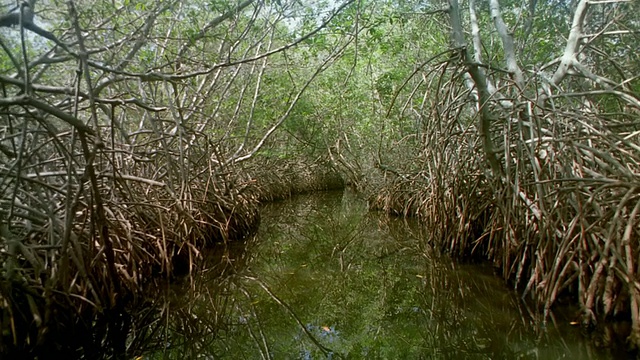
265, 352
184, 321
325, 350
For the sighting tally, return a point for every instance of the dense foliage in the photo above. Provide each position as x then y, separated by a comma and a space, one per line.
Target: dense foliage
132, 132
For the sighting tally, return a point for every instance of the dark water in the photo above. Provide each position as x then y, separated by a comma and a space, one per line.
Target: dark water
326, 279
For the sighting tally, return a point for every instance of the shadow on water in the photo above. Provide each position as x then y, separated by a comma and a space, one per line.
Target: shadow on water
326, 278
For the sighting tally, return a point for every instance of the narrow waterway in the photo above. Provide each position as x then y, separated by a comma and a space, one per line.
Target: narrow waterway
324, 278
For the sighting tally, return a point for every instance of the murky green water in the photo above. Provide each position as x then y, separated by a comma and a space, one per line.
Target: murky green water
325, 278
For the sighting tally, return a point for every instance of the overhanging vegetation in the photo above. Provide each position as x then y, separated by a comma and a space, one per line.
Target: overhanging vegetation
135, 132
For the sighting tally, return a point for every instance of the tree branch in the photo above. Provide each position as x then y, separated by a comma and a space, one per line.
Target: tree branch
573, 42
68, 118
480, 80
507, 43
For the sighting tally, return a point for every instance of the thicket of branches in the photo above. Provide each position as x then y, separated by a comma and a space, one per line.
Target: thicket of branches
531, 158
122, 129
514, 133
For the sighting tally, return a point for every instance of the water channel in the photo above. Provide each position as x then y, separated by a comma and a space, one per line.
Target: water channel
325, 278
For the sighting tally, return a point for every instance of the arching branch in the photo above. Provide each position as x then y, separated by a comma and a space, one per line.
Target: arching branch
13, 19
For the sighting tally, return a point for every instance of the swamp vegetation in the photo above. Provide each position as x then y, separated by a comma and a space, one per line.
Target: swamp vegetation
135, 135
324, 277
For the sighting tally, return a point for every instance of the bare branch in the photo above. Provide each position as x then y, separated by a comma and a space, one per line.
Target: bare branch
573, 42
24, 17
480, 80
68, 118
507, 43
159, 76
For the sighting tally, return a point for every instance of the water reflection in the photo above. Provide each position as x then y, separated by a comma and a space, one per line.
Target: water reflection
325, 278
